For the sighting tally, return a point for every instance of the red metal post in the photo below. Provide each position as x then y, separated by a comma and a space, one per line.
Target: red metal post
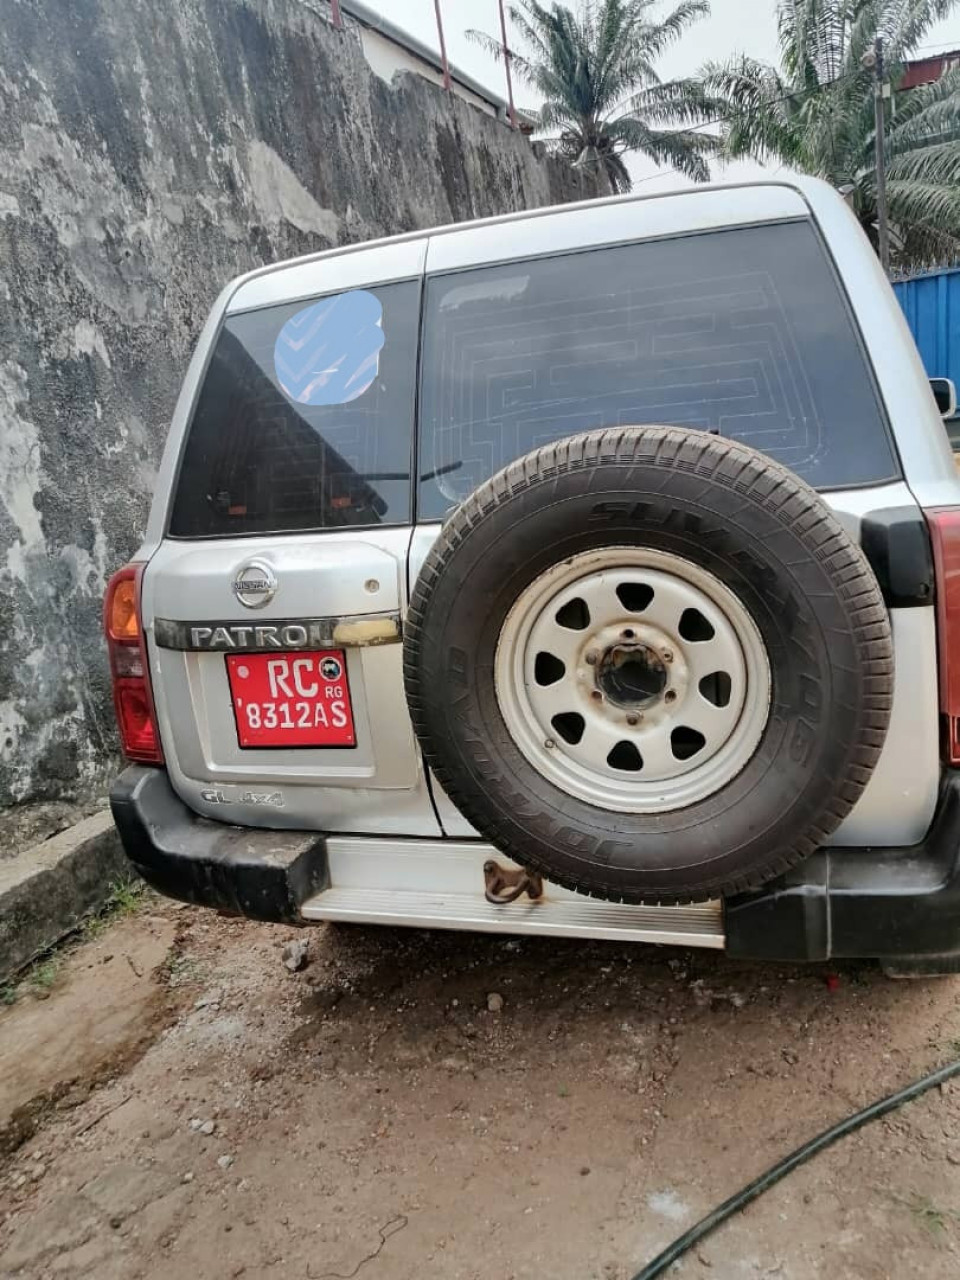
337, 15
506, 63
443, 47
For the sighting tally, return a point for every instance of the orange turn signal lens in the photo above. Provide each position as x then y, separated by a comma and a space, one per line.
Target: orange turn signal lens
122, 623
132, 696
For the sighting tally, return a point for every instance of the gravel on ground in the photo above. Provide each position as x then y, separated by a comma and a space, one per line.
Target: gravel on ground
177, 1099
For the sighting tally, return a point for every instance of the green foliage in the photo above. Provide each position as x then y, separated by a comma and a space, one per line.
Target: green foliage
123, 899
815, 112
595, 71
39, 978
44, 974
930, 1215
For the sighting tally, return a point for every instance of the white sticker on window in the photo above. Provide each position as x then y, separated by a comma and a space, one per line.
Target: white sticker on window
329, 352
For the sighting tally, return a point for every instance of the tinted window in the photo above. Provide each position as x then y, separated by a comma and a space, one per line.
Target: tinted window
743, 333
305, 418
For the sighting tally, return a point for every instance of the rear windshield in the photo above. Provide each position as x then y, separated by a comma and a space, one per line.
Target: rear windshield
743, 333
305, 418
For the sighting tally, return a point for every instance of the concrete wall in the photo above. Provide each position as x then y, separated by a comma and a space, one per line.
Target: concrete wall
148, 152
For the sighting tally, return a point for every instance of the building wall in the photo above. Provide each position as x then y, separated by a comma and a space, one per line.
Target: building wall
387, 58
149, 152
919, 71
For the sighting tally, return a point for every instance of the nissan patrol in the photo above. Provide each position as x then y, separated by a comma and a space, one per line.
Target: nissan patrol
592, 571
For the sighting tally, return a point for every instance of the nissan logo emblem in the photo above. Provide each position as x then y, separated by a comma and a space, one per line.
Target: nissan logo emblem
255, 584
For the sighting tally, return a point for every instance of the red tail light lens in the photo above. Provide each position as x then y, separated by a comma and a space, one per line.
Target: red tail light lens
132, 696
944, 528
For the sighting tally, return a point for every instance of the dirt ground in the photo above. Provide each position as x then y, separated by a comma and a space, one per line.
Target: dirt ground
175, 1103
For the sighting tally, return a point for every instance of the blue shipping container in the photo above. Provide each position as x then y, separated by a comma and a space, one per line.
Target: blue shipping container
931, 304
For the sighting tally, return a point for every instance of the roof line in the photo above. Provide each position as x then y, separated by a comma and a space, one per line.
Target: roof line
941, 56
369, 18
793, 182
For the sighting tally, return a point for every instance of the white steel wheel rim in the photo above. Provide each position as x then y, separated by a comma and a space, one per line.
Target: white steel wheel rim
643, 671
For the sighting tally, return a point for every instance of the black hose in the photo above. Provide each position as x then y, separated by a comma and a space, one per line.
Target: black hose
673, 1251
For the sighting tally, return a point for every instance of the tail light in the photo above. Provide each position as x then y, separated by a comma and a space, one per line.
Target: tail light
132, 695
944, 528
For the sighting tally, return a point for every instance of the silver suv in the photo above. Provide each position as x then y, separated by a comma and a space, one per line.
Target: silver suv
593, 571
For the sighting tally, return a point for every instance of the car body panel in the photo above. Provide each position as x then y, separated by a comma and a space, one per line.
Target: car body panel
377, 785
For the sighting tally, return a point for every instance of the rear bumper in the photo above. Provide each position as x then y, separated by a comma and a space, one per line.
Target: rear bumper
266, 875
884, 903
854, 903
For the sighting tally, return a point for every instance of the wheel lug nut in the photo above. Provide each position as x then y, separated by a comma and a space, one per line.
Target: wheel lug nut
628, 634
633, 719
596, 695
549, 743
667, 655
670, 695
591, 658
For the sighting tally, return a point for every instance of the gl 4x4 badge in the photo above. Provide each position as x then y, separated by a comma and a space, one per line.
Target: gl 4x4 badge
271, 798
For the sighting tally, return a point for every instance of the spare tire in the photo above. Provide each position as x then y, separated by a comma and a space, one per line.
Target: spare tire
650, 664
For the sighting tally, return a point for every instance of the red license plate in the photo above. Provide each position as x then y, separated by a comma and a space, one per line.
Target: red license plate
291, 699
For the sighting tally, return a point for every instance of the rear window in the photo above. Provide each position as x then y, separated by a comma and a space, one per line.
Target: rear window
743, 333
305, 418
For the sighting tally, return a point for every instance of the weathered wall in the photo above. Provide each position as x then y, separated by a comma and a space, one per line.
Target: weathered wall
149, 152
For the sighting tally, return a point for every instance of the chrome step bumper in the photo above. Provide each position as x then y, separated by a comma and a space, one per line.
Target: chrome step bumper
899, 904
439, 884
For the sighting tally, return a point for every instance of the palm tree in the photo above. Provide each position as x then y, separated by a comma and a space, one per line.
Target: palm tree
815, 113
601, 96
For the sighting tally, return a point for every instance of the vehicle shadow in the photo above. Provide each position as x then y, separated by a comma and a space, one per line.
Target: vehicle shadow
481, 999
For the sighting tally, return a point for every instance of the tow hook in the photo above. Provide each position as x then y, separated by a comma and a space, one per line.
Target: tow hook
503, 885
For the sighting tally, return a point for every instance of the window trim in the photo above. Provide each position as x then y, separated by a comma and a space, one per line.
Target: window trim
868, 363
227, 315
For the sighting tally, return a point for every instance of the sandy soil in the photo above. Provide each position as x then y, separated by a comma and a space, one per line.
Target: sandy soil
188, 1107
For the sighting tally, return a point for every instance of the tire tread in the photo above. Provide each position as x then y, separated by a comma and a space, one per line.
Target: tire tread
767, 484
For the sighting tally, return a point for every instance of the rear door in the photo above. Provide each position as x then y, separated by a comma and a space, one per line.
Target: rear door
679, 311
273, 602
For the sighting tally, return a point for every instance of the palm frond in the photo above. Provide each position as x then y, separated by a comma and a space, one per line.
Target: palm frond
935, 204
660, 35
595, 70
939, 164
556, 115
617, 173
518, 62
753, 102
927, 113
683, 150
908, 22
815, 112
685, 101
